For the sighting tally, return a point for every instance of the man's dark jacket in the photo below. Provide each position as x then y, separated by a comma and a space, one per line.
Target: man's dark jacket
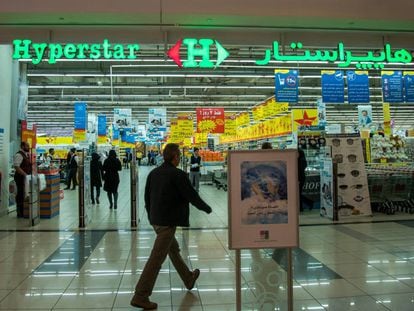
168, 192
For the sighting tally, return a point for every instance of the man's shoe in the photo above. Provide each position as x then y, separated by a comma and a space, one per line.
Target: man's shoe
67, 188
143, 303
97, 200
196, 274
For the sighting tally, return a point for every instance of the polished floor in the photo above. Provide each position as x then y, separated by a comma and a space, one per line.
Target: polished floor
54, 266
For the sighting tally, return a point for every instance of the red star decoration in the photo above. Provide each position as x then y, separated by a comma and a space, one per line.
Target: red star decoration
306, 120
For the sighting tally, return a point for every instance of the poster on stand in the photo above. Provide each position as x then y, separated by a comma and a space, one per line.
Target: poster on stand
409, 86
286, 85
332, 86
327, 190
358, 87
352, 181
263, 199
392, 86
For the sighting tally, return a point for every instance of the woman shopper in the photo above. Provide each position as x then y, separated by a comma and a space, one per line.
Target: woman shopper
111, 167
96, 177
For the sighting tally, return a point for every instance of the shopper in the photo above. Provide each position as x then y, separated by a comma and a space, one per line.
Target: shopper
49, 158
302, 164
96, 171
111, 167
195, 164
139, 157
73, 170
23, 167
168, 193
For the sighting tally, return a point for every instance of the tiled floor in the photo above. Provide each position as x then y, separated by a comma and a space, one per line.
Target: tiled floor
55, 266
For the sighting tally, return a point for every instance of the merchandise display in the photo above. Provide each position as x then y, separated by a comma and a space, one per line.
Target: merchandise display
388, 149
353, 193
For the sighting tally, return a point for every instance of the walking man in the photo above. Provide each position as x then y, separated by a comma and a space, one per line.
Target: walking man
168, 193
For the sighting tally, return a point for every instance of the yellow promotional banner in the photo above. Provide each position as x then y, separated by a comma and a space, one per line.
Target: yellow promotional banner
56, 140
304, 117
258, 113
243, 119
101, 140
79, 135
267, 129
230, 124
387, 118
185, 123
200, 138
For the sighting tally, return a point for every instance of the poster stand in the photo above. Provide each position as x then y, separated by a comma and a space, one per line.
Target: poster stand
263, 206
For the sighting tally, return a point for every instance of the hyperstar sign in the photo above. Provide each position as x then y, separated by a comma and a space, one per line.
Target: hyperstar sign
200, 48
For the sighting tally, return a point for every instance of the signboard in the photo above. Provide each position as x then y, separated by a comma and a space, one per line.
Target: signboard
327, 189
358, 87
364, 115
304, 117
101, 129
210, 120
263, 199
392, 86
286, 85
122, 117
207, 53
81, 119
332, 86
157, 119
409, 86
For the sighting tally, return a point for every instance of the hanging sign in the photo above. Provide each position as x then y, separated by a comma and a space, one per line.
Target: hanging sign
157, 119
332, 86
304, 117
286, 85
392, 86
101, 129
409, 86
210, 120
79, 133
358, 87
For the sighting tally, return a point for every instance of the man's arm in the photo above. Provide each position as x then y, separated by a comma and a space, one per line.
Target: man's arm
187, 191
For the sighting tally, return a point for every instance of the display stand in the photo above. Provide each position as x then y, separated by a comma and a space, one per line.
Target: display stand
263, 206
50, 196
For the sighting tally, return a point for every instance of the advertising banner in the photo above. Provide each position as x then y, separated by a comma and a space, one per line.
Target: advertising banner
243, 119
185, 124
230, 124
263, 199
101, 129
364, 115
327, 189
332, 86
304, 117
409, 86
387, 118
321, 112
210, 120
29, 135
122, 117
392, 86
157, 119
115, 136
353, 192
81, 119
286, 85
358, 87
